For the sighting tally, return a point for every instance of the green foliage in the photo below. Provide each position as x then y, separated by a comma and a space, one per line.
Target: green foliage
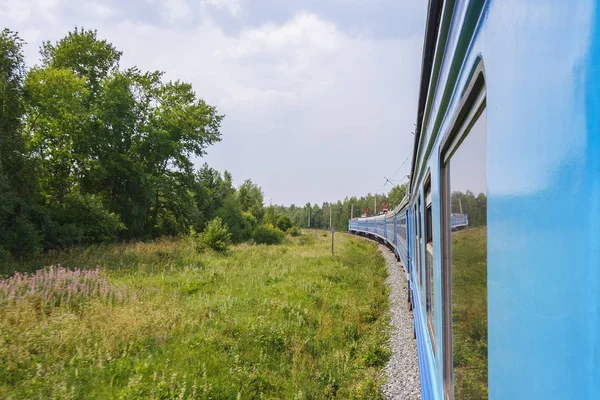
239, 222
294, 231
251, 198
160, 320
284, 222
396, 196
216, 236
268, 234
83, 53
24, 240
90, 153
376, 355
474, 206
270, 216
82, 219
12, 143
341, 211
469, 312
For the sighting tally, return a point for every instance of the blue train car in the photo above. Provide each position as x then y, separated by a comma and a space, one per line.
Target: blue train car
507, 132
459, 221
388, 228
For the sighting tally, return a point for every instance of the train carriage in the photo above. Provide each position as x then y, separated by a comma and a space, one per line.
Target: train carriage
507, 138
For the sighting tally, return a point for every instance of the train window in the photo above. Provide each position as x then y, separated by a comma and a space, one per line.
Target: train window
416, 246
420, 248
465, 260
429, 264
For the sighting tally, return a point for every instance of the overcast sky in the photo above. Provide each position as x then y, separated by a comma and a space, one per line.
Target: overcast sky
320, 95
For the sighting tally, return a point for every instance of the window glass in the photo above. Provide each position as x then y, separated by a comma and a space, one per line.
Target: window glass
429, 264
402, 227
416, 248
468, 188
420, 248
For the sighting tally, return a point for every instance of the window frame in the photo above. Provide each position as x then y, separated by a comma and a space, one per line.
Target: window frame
429, 267
416, 247
420, 252
472, 105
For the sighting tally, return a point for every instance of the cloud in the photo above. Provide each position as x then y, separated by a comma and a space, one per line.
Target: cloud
232, 6
101, 10
314, 113
176, 9
15, 10
20, 11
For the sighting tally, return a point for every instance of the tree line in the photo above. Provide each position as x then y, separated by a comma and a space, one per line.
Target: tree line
474, 206
341, 211
91, 152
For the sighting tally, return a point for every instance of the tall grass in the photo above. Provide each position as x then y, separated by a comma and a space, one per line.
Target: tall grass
469, 313
159, 320
58, 288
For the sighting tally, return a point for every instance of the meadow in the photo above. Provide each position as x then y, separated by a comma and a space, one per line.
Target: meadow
160, 320
469, 312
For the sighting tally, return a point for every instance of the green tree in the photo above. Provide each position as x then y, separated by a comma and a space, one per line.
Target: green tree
216, 236
284, 222
251, 199
12, 73
396, 196
82, 52
18, 234
240, 225
55, 124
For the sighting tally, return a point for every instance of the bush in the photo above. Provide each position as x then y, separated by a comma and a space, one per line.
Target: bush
250, 224
26, 240
294, 231
18, 235
239, 223
268, 234
216, 236
78, 220
284, 222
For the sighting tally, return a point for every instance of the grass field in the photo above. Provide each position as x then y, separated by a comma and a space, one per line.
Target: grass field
159, 320
469, 313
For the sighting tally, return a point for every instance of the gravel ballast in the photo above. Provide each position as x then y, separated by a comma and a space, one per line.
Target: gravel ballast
402, 371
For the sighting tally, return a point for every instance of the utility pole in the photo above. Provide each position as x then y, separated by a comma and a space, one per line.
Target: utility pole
332, 235
460, 205
329, 215
351, 211
375, 206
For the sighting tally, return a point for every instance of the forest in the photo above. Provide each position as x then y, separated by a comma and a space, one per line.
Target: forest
91, 152
341, 211
94, 153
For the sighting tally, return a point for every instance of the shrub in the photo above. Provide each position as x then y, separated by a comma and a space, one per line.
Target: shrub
268, 234
79, 219
250, 224
284, 222
239, 223
216, 235
294, 231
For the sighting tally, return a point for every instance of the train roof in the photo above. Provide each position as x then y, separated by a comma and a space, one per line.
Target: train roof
434, 16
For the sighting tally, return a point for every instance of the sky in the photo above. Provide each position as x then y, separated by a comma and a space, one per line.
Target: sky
320, 96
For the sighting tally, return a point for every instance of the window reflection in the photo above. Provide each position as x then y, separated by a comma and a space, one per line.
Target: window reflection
469, 264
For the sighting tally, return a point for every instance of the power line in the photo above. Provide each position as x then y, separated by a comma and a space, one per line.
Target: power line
401, 165
382, 186
394, 182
